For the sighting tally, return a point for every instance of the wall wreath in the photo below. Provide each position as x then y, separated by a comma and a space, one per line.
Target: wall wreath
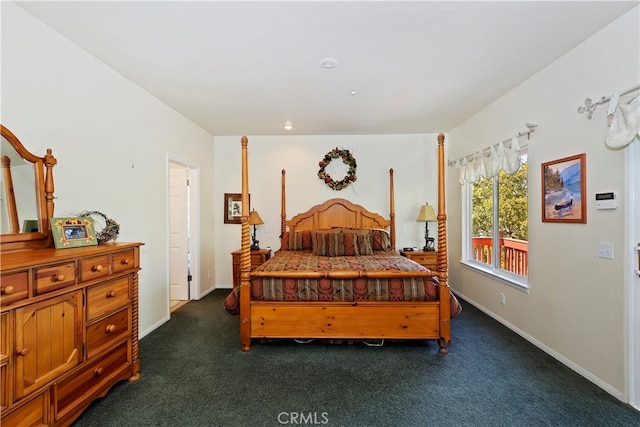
347, 159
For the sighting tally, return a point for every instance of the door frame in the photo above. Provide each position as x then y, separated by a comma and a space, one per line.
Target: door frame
193, 174
632, 289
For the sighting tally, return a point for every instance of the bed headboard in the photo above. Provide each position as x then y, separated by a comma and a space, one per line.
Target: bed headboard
336, 213
339, 213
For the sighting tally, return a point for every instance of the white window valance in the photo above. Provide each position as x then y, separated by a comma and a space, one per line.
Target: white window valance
487, 163
623, 116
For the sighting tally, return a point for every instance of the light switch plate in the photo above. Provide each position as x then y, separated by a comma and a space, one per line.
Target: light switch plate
605, 250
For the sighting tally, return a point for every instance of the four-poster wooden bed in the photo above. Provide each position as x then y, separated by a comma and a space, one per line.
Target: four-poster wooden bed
338, 276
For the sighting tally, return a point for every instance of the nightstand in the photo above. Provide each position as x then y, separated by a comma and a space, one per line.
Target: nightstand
258, 258
425, 258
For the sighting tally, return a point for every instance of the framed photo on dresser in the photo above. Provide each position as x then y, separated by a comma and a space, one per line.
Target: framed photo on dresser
73, 232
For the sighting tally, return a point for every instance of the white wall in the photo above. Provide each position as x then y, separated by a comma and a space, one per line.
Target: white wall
412, 157
111, 140
575, 308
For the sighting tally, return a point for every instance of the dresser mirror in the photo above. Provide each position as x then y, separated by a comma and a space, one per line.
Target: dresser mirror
26, 195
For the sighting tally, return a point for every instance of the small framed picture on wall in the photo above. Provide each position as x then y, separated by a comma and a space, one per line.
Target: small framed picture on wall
233, 208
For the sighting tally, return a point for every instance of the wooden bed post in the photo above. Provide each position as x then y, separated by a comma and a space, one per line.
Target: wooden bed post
245, 257
283, 207
392, 213
442, 266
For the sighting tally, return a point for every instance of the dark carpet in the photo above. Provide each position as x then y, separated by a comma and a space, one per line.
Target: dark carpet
194, 374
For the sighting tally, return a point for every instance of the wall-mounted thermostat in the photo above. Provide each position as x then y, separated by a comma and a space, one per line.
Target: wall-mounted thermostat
606, 200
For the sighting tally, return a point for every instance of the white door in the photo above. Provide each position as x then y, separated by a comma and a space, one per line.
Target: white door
178, 232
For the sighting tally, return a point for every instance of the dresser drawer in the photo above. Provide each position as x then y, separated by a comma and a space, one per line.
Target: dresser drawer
108, 297
108, 331
123, 260
52, 278
15, 287
91, 377
257, 260
33, 413
94, 267
424, 259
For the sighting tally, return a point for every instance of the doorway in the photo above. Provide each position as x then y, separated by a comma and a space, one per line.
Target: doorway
633, 290
182, 196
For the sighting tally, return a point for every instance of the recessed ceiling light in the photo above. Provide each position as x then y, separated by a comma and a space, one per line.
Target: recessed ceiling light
328, 63
369, 124
353, 92
287, 126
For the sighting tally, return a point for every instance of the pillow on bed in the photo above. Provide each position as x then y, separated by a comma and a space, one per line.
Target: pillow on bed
361, 240
364, 243
335, 244
300, 241
349, 244
380, 240
325, 242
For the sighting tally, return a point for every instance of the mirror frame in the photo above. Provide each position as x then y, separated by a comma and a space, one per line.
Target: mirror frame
44, 194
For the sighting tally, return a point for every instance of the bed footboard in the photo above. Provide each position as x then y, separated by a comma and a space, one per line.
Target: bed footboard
343, 320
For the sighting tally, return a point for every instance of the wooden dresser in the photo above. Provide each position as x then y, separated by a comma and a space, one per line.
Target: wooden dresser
68, 329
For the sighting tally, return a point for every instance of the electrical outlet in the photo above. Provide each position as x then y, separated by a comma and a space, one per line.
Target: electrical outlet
605, 250
209, 274
403, 229
502, 299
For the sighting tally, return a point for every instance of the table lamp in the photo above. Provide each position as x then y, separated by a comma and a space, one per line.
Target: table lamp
254, 219
426, 215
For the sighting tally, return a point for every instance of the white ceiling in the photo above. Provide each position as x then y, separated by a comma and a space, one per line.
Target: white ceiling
248, 67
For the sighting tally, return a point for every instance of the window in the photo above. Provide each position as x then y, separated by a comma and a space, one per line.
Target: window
497, 224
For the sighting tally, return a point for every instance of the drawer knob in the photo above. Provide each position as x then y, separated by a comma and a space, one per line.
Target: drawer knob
98, 371
96, 268
8, 290
111, 294
110, 328
124, 261
58, 278
23, 352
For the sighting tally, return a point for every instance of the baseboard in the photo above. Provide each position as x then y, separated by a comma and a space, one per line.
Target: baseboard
568, 363
207, 292
153, 327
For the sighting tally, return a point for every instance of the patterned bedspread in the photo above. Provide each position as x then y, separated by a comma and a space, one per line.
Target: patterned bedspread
324, 289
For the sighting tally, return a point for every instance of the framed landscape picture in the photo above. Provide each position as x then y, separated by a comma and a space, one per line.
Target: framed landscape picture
564, 190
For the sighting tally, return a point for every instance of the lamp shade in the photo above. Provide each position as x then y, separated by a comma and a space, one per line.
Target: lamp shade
426, 214
254, 218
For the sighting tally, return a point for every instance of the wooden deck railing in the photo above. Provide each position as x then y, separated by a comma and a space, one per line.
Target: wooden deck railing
513, 253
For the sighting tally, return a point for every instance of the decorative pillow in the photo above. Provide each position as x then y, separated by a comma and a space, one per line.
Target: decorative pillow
380, 240
300, 241
362, 241
335, 244
320, 240
364, 244
349, 244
